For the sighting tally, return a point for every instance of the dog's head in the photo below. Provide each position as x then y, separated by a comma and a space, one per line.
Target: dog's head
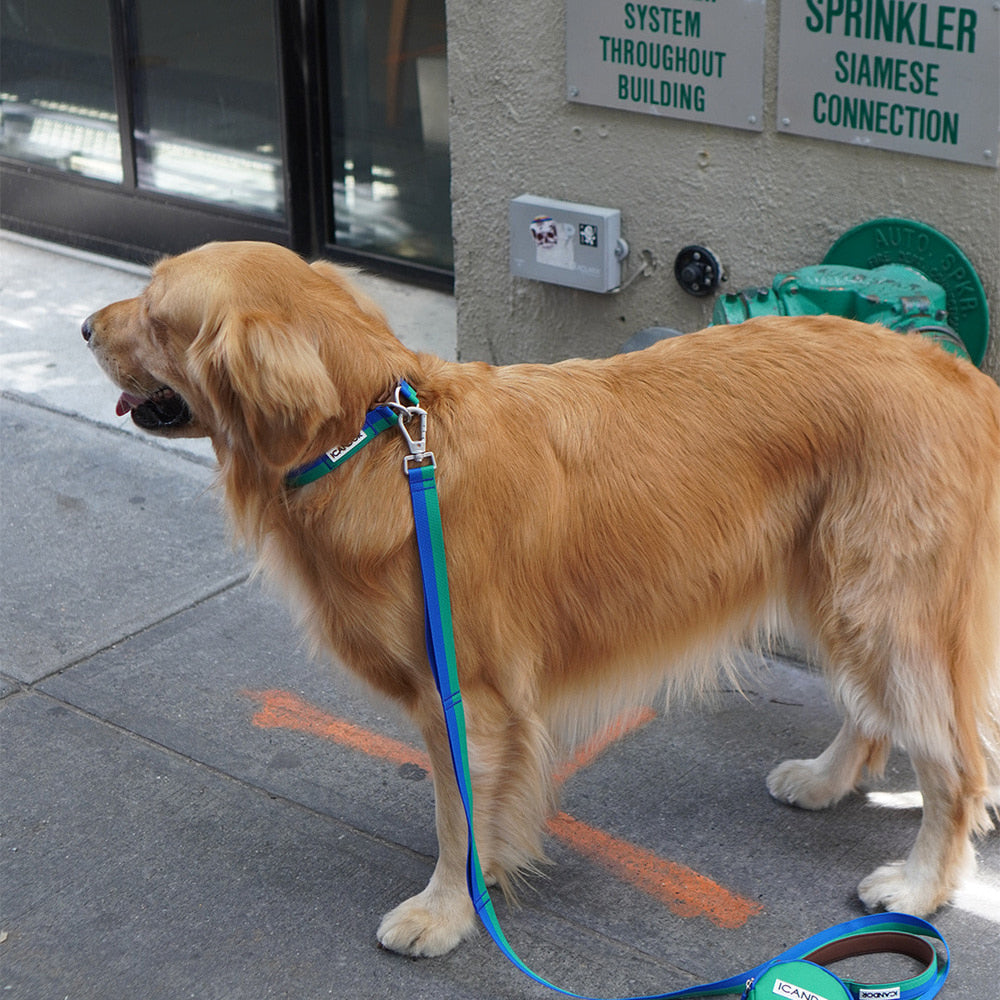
247, 344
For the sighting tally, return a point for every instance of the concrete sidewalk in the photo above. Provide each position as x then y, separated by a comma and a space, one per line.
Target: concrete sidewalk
192, 807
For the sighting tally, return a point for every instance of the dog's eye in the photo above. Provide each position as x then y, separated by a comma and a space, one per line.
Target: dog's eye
151, 320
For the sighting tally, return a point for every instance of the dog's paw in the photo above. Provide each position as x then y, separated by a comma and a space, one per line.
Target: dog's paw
892, 887
802, 783
428, 924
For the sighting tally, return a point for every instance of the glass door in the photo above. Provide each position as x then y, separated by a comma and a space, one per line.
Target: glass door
57, 88
388, 122
207, 102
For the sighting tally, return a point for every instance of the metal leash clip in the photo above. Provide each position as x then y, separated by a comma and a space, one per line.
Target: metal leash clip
408, 410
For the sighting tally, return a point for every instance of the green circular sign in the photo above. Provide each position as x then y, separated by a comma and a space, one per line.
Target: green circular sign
917, 245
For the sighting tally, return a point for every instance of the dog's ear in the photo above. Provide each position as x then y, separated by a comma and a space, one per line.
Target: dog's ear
267, 384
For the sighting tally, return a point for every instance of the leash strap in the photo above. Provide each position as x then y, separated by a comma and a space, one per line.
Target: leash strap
876, 933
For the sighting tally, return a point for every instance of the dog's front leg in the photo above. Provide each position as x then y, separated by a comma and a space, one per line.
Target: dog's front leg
440, 917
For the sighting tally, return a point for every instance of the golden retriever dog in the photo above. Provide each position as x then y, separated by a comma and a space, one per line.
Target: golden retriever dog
613, 528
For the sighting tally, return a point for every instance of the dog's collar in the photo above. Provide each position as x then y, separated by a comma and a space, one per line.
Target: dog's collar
401, 407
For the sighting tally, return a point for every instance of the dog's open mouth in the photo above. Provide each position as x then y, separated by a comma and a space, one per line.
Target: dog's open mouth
164, 409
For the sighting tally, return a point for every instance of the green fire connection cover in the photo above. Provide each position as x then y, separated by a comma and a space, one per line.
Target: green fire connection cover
917, 245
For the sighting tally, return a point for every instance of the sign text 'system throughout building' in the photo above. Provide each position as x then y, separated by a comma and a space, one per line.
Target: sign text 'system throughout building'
700, 60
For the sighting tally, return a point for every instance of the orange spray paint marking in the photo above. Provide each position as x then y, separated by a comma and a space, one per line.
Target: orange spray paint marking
682, 890
284, 710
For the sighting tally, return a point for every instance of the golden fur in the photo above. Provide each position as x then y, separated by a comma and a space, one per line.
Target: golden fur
613, 527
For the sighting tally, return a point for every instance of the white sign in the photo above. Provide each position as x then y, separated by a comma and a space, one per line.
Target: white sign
700, 60
915, 76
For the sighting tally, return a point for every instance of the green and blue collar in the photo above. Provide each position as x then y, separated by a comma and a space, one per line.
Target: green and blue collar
389, 414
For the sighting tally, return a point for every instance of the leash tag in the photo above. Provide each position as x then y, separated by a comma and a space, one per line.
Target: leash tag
797, 980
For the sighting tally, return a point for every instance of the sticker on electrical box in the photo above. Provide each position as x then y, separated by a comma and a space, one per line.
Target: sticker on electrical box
553, 242
588, 234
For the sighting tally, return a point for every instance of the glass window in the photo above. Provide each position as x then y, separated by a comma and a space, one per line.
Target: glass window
207, 111
389, 126
57, 100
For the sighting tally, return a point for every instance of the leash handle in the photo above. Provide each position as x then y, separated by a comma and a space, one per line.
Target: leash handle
837, 942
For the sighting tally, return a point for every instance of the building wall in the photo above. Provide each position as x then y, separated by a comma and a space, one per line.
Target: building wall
763, 201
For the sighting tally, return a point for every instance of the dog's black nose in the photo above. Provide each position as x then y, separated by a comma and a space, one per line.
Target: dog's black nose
87, 329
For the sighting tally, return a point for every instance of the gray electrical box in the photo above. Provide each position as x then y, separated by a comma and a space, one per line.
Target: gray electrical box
564, 243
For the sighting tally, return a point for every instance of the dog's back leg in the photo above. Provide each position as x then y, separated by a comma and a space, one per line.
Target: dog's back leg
942, 855
905, 615
825, 780
942, 704
927, 715
939, 687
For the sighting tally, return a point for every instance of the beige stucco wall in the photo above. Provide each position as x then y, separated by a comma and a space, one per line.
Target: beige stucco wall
764, 202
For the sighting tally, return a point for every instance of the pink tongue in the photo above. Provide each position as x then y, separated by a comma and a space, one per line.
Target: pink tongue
126, 403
